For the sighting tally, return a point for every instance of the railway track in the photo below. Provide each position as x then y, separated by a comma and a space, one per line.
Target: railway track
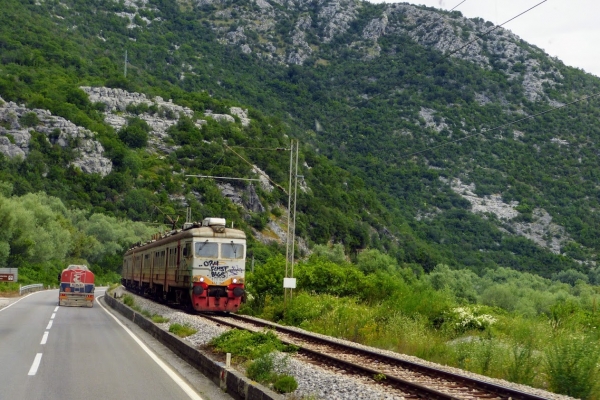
411, 380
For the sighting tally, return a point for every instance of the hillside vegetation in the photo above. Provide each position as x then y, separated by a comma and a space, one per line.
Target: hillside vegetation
422, 227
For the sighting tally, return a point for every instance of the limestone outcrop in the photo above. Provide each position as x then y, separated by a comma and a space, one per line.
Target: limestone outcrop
17, 123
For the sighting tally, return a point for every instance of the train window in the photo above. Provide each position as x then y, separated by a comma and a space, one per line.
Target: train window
187, 250
232, 250
207, 250
172, 256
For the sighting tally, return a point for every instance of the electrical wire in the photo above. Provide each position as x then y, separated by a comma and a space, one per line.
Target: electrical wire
490, 31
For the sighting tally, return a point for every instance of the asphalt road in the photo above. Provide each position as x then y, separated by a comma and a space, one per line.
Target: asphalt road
50, 352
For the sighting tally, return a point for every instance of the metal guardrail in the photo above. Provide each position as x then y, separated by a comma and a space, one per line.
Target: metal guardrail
30, 288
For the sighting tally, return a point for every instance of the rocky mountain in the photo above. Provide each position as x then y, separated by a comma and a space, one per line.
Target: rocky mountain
293, 32
406, 114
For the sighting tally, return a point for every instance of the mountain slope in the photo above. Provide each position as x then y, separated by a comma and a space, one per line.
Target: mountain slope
397, 155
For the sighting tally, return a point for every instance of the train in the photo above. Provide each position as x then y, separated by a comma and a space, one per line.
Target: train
76, 286
201, 266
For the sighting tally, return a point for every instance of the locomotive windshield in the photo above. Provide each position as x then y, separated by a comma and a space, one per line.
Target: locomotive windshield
207, 249
232, 250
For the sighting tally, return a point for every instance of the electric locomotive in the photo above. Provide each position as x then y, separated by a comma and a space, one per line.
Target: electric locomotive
201, 265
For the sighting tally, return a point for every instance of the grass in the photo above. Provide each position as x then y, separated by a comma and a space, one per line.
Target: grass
182, 330
9, 289
246, 345
159, 319
128, 300
257, 350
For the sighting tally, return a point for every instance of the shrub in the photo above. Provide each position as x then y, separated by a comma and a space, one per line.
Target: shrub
285, 384
467, 318
135, 134
522, 364
571, 366
29, 120
261, 369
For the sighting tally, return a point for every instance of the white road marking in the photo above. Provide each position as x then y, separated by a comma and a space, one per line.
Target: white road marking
36, 364
56, 309
53, 315
44, 338
49, 325
172, 374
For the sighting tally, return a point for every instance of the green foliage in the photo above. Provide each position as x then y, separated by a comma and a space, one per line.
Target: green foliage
285, 384
248, 345
320, 275
266, 280
135, 134
265, 369
572, 366
373, 260
523, 363
334, 253
182, 331
458, 282
570, 276
185, 132
128, 300
259, 220
261, 369
29, 120
159, 319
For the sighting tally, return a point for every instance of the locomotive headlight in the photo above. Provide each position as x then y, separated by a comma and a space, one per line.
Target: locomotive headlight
234, 280
201, 279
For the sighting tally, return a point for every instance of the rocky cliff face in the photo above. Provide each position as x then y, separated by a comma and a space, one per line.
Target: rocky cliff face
164, 113
17, 123
541, 230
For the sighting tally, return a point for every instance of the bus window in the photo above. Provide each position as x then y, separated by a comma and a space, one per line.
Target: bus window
207, 250
232, 250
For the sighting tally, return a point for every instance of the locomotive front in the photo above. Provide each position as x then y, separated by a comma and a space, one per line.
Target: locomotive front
219, 264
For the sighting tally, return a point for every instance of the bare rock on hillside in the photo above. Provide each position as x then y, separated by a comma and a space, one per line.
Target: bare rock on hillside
17, 122
540, 229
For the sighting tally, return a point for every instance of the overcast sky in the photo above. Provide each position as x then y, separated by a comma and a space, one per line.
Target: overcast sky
567, 29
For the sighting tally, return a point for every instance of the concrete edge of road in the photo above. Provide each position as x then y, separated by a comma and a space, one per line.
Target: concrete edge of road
229, 380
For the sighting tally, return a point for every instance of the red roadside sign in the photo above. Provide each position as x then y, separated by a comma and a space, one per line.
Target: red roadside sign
7, 277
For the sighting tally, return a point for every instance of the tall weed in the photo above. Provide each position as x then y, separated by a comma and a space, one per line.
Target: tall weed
523, 359
572, 366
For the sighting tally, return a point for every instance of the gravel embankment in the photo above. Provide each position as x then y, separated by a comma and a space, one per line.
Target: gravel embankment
313, 380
